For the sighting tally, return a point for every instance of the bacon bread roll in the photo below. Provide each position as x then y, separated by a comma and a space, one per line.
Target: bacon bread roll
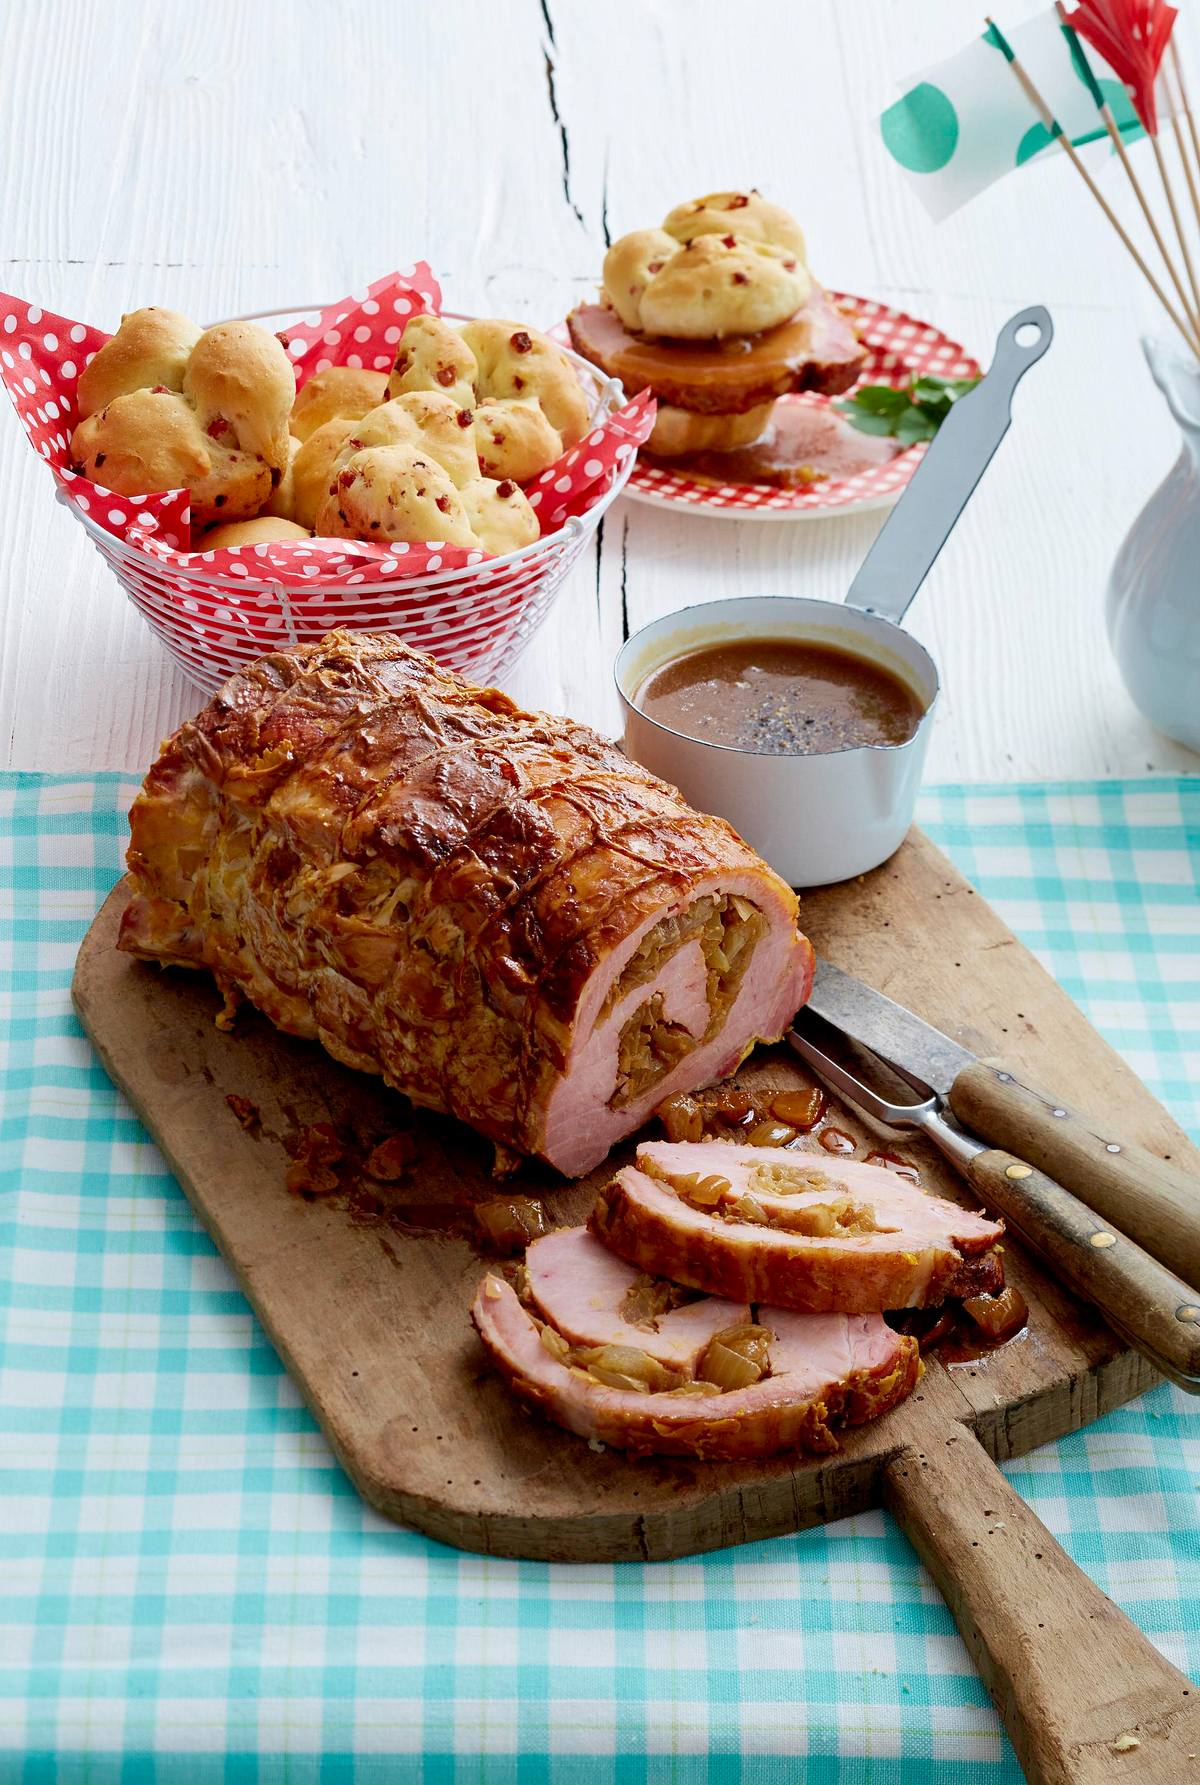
388, 493
430, 490
163, 406
323, 414
691, 281
338, 391
515, 388
745, 214
264, 529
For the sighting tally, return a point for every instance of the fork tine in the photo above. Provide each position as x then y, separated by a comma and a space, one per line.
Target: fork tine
860, 1097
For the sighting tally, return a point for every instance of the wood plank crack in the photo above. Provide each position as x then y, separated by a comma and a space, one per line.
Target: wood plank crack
548, 53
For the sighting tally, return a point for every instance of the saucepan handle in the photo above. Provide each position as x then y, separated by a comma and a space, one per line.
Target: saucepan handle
956, 458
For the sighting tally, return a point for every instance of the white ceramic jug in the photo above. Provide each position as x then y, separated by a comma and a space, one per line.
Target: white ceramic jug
1153, 602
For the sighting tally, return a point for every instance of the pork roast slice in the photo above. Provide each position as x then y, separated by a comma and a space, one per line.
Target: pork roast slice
816, 349
594, 1298
822, 1369
792, 1229
494, 909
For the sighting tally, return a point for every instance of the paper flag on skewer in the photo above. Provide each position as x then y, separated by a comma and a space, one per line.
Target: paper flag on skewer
1132, 37
965, 123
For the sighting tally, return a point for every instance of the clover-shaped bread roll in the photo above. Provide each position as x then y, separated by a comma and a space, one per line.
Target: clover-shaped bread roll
514, 385
745, 214
433, 356
164, 406
324, 412
423, 418
152, 346
337, 391
531, 407
467, 509
392, 493
720, 285
677, 432
426, 419
727, 264
712, 287
500, 514
630, 264
264, 529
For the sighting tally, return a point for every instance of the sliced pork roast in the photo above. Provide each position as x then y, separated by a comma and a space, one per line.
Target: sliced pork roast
628, 1359
494, 909
762, 1224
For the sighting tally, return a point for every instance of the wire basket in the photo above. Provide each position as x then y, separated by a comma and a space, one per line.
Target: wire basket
475, 620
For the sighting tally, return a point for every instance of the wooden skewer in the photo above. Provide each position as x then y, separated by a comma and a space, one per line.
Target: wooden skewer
1047, 116
1169, 190
1191, 305
1183, 104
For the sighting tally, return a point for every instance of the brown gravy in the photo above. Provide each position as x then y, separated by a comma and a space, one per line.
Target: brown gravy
781, 697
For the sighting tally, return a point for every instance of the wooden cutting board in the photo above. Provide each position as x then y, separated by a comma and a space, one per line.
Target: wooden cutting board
367, 1298
365, 1295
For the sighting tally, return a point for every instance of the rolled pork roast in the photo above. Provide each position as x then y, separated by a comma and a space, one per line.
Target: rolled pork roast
635, 1362
496, 910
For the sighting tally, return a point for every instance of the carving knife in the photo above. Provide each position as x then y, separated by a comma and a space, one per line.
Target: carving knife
1148, 1304
1149, 1198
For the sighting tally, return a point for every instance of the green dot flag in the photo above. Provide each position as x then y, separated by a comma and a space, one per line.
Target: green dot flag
964, 123
921, 130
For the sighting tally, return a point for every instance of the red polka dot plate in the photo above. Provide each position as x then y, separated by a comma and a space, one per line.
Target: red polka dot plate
897, 346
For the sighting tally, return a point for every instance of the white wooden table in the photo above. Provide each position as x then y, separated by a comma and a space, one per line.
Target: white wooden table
234, 156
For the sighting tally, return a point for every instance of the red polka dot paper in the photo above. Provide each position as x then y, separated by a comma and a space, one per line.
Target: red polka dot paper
42, 355
897, 346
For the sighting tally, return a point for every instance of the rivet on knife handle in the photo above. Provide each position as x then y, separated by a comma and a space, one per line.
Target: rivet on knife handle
1148, 1198
1150, 1306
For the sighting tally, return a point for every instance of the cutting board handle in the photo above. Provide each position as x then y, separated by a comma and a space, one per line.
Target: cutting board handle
1084, 1696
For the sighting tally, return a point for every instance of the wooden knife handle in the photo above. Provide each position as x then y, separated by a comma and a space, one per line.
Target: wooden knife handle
1153, 1309
1152, 1200
1086, 1699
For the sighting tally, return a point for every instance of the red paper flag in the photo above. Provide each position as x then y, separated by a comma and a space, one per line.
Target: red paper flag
1131, 35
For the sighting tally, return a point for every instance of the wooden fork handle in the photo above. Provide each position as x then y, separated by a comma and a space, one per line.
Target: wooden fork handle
1151, 1307
1085, 1697
1151, 1199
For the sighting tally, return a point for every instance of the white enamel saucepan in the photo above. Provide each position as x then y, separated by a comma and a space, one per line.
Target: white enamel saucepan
821, 818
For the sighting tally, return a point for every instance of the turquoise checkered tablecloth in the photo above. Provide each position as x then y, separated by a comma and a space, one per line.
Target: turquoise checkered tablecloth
190, 1589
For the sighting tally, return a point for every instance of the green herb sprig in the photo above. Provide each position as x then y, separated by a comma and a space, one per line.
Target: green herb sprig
912, 413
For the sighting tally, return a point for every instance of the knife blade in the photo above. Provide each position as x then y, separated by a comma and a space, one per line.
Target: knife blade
1151, 1199
887, 1028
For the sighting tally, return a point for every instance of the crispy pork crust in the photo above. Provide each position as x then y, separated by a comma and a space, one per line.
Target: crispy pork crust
428, 880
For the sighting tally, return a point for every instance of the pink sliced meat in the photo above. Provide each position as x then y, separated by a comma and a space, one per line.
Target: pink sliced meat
889, 1244
578, 1286
824, 1369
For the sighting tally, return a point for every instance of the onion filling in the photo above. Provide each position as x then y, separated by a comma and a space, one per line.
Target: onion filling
649, 1047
